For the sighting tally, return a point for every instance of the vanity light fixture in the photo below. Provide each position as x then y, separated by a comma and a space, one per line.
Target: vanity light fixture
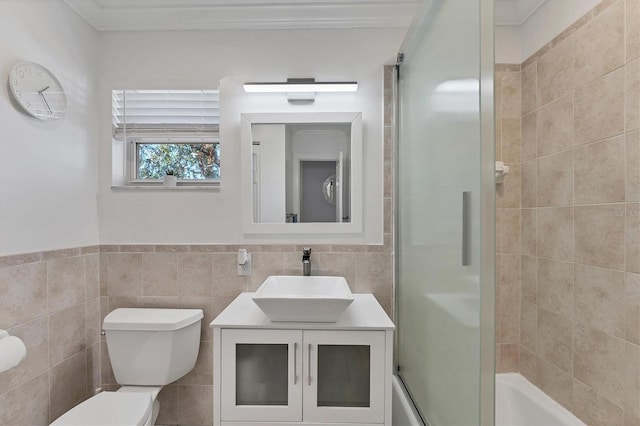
301, 90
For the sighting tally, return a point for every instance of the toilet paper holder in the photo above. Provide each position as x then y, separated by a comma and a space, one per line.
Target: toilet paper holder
12, 351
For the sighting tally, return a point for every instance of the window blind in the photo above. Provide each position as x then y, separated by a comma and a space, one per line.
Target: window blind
165, 113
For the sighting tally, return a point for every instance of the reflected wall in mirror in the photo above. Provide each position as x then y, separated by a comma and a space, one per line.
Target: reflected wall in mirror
303, 172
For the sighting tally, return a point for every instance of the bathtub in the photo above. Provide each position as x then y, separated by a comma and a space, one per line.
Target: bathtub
402, 411
519, 403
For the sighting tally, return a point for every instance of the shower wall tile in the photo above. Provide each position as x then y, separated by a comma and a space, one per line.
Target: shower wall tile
528, 231
632, 191
555, 180
554, 337
599, 108
633, 237
633, 29
509, 358
555, 286
594, 350
510, 229
528, 326
498, 143
529, 265
528, 365
511, 102
632, 311
600, 235
600, 299
529, 188
555, 72
579, 278
529, 137
631, 403
632, 103
594, 409
554, 382
529, 96
599, 45
555, 127
555, 233
508, 193
511, 134
600, 172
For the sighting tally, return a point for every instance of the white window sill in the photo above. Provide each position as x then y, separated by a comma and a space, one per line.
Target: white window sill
159, 187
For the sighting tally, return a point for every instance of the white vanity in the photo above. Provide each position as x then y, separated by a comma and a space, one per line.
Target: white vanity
302, 373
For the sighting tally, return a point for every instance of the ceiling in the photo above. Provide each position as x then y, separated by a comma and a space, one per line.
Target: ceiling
133, 15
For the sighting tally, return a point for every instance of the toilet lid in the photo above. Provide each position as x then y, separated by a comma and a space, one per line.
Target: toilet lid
109, 409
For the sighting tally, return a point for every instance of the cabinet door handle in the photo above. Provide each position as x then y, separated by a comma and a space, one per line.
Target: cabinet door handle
309, 364
295, 362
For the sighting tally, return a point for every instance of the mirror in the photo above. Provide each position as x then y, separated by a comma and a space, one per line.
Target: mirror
302, 172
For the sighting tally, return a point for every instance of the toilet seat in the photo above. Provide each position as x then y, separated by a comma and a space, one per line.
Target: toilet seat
110, 409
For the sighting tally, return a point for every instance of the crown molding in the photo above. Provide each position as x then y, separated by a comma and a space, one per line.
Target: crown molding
147, 15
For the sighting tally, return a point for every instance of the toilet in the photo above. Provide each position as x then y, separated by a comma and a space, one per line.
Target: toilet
148, 349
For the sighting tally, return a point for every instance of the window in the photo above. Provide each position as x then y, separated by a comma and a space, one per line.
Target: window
169, 132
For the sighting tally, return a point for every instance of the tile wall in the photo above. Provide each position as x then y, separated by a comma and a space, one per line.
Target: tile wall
56, 301
205, 277
579, 279
508, 130
51, 301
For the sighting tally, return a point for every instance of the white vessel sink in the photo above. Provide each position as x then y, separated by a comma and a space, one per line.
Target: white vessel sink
303, 299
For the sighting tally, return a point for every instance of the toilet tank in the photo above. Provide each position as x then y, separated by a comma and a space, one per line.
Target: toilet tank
152, 347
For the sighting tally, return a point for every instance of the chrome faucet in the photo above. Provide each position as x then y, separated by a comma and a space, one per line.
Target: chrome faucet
306, 261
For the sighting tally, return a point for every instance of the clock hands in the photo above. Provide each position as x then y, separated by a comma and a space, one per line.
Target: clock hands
41, 93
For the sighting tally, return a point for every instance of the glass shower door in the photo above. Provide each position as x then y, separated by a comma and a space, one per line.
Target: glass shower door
446, 215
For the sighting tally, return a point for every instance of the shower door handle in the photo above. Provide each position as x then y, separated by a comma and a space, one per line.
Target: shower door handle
466, 228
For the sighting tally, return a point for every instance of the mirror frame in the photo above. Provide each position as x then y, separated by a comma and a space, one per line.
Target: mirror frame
356, 167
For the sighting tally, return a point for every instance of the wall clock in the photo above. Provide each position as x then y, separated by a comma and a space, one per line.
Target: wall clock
37, 91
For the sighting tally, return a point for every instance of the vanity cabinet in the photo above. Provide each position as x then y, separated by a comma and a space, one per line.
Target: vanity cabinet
302, 373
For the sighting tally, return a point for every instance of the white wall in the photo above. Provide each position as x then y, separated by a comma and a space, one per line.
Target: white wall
549, 20
271, 154
48, 171
508, 44
202, 59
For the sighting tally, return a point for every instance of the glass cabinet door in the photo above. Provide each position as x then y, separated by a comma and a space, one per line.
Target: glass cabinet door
261, 375
344, 376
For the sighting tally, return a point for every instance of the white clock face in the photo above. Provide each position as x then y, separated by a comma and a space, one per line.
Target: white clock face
37, 91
